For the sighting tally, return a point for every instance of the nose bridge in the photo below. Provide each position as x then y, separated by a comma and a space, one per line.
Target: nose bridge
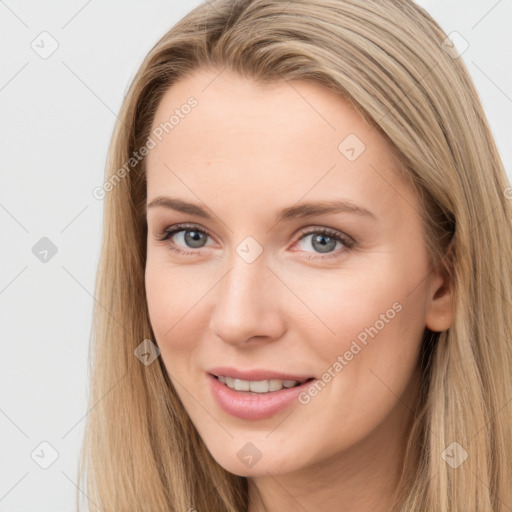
246, 301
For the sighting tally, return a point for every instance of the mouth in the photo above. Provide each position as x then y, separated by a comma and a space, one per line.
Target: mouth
260, 387
256, 399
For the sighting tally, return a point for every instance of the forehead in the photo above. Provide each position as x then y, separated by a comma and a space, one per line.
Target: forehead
242, 106
257, 141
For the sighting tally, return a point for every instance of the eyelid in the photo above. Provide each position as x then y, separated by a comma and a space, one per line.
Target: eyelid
170, 231
326, 230
347, 241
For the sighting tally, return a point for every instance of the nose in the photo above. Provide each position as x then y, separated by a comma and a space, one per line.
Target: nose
248, 304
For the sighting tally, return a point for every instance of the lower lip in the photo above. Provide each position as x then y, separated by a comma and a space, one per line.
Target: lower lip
252, 406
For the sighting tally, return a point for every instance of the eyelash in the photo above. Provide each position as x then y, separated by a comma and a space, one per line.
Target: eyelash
347, 241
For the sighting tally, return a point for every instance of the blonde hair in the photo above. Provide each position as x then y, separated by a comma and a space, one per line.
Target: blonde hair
386, 57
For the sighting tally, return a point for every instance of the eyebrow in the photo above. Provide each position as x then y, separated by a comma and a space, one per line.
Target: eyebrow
301, 210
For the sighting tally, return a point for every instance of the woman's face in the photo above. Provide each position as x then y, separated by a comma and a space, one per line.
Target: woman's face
302, 255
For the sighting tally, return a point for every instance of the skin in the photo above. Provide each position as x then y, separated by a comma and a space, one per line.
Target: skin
246, 151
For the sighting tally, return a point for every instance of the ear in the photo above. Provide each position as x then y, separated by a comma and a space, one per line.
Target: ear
440, 307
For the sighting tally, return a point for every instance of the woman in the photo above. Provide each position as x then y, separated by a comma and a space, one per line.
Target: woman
304, 297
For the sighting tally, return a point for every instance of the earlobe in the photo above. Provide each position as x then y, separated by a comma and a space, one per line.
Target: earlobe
440, 309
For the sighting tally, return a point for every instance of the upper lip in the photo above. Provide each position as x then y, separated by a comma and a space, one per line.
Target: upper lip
256, 374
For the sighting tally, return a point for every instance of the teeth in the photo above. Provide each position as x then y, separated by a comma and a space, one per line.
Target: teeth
241, 385
259, 386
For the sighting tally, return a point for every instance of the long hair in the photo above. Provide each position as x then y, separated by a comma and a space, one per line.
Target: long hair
393, 62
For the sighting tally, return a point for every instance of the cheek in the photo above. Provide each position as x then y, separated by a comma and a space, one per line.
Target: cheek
174, 297
374, 318
365, 366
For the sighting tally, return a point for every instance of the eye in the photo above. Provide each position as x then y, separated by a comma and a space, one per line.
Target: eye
324, 241
189, 235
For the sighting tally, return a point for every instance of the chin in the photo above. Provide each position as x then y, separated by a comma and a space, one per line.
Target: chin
249, 461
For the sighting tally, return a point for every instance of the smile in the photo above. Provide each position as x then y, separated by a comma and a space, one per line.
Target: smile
257, 386
271, 396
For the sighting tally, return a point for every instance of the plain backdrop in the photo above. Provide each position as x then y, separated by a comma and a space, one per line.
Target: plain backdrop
57, 115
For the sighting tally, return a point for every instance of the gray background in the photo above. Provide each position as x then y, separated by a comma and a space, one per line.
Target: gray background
58, 113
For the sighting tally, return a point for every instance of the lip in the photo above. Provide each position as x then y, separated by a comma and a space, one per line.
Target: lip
251, 406
255, 374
